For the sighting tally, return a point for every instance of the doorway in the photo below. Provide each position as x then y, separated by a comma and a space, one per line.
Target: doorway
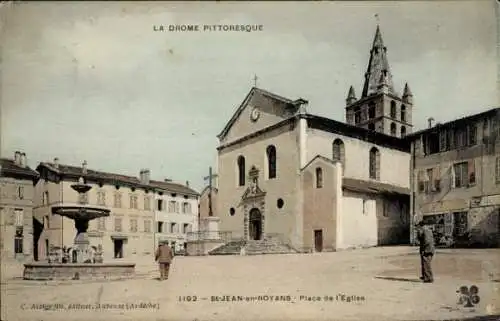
255, 226
118, 246
318, 240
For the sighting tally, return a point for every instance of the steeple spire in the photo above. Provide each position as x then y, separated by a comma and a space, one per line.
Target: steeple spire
407, 95
351, 96
378, 66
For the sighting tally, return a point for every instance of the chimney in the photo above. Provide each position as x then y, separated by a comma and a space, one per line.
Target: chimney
56, 163
84, 167
187, 183
146, 175
429, 121
167, 180
17, 158
141, 175
23, 161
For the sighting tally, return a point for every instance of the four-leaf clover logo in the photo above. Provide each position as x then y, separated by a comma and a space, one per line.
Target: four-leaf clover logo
468, 296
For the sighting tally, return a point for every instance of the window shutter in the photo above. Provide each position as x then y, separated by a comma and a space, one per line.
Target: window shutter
472, 173
452, 176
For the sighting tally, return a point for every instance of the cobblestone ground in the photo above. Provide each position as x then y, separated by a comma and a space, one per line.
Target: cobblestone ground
387, 278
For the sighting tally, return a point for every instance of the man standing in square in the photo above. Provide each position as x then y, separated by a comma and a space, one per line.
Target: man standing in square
164, 256
426, 242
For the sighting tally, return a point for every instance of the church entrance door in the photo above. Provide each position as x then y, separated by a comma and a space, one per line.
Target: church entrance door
255, 226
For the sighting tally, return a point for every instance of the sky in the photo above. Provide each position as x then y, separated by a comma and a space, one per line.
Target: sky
95, 81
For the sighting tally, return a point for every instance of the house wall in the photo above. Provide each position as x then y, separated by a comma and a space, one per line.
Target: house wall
359, 220
481, 199
16, 194
185, 219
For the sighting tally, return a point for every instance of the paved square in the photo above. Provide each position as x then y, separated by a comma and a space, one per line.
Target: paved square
365, 284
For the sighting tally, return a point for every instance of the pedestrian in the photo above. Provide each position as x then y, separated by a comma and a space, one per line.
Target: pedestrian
426, 243
164, 257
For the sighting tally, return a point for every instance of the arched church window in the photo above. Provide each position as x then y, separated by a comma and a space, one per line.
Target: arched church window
319, 177
271, 161
374, 163
241, 171
403, 131
393, 109
338, 151
393, 129
357, 115
403, 113
371, 110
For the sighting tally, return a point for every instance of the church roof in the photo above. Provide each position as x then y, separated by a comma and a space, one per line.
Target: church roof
378, 68
254, 90
370, 186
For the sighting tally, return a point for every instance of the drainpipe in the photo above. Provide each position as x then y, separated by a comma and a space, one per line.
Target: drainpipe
412, 189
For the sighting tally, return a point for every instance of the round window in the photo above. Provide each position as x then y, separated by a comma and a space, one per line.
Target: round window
280, 203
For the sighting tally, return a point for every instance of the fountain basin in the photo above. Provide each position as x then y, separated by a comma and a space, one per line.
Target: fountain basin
80, 211
78, 271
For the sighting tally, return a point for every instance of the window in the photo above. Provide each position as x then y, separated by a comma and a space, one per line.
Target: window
319, 177
464, 174
171, 206
46, 221
403, 113
443, 141
460, 138
374, 169
371, 111
45, 198
147, 203
173, 228
403, 131
159, 227
133, 201
101, 198
429, 180
147, 226
338, 151
357, 115
471, 135
393, 129
159, 205
421, 181
20, 192
431, 143
18, 245
185, 228
118, 224
241, 171
133, 225
393, 109
387, 207
101, 224
19, 216
186, 208
271, 161
118, 200
497, 170
365, 211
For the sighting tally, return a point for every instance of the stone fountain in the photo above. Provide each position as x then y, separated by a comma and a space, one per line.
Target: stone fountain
85, 262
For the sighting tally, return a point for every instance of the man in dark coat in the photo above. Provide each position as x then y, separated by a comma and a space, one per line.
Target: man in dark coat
426, 242
164, 256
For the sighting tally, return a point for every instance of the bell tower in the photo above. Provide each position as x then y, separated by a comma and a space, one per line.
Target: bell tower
380, 108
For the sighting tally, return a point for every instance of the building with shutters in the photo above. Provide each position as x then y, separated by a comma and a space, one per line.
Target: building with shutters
455, 181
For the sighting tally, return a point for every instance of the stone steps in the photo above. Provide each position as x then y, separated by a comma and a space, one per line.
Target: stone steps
252, 247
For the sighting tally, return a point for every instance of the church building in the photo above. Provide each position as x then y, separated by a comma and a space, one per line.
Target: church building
314, 183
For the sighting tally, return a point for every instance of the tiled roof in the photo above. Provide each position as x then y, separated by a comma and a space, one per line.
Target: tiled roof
373, 187
9, 168
113, 178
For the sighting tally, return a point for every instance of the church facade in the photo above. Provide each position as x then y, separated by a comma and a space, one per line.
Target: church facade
315, 183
